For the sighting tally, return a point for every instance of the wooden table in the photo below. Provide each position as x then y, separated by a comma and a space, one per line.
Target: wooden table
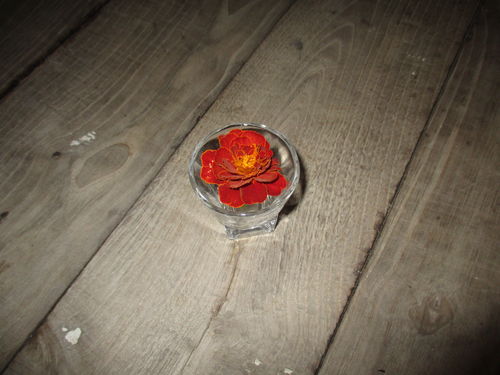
389, 263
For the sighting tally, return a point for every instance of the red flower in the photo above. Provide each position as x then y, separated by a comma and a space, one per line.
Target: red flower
243, 168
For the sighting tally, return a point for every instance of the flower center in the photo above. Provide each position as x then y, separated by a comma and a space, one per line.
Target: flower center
246, 163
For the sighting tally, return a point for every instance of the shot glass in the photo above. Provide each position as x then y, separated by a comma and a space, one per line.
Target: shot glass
249, 219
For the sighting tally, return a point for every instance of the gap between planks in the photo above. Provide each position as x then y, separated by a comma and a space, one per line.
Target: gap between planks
86, 21
236, 250
381, 226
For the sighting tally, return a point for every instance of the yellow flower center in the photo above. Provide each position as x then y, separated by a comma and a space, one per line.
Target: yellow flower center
245, 164
246, 161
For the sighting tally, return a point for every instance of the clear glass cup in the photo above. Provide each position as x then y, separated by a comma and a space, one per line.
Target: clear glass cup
252, 219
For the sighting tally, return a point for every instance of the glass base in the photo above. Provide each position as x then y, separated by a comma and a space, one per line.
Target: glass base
266, 227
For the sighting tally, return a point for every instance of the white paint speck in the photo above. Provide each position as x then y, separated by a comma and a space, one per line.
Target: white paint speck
413, 74
87, 138
73, 336
257, 362
288, 371
64, 329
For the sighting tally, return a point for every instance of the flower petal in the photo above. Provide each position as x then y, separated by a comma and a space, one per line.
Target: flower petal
231, 197
253, 193
266, 153
275, 188
241, 141
269, 176
218, 170
222, 174
227, 140
207, 175
229, 166
256, 138
208, 157
223, 154
273, 167
235, 184
207, 162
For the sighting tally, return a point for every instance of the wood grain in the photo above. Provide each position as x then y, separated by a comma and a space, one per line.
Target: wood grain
30, 30
351, 84
86, 132
429, 300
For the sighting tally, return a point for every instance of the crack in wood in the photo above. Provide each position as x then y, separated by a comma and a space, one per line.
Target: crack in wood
196, 116
235, 256
380, 224
91, 15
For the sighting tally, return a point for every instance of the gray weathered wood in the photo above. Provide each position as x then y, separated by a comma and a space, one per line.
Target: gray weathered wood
30, 29
429, 300
139, 77
351, 84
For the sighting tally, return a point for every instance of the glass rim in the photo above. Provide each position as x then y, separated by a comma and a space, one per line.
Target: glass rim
283, 197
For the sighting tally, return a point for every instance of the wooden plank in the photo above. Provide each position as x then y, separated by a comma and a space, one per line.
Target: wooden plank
429, 300
351, 84
30, 30
83, 136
